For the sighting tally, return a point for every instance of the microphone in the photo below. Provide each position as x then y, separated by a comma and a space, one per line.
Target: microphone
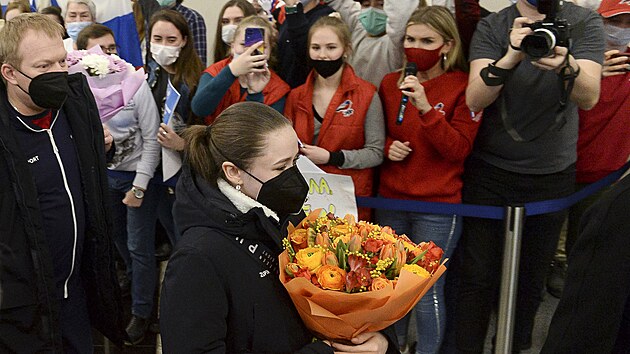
410, 69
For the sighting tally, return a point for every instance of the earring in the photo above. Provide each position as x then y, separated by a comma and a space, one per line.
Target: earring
238, 187
443, 63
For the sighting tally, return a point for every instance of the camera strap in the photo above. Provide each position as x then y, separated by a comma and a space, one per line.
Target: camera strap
558, 122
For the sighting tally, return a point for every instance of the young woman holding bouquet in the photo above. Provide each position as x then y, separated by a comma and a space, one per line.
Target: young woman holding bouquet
221, 291
244, 76
426, 150
337, 115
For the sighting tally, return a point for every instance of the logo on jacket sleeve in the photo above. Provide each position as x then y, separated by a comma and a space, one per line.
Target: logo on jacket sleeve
440, 108
345, 108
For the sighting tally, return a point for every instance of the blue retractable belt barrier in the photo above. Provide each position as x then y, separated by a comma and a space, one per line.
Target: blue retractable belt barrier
490, 212
471, 210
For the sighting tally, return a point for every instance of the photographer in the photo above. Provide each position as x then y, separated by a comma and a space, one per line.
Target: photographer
525, 149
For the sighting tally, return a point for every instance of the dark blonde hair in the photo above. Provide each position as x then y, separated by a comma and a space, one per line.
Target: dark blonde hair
14, 31
440, 19
237, 135
339, 27
188, 66
222, 50
23, 6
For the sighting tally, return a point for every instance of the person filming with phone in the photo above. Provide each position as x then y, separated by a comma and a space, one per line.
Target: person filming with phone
244, 76
532, 65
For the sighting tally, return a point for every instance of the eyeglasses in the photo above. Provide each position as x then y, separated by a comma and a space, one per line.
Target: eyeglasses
112, 49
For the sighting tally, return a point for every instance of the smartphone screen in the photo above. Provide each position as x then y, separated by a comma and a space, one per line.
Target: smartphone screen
253, 36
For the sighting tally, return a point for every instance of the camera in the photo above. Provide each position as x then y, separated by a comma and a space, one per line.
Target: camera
548, 33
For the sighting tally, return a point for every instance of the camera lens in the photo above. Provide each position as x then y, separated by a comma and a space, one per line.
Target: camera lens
539, 44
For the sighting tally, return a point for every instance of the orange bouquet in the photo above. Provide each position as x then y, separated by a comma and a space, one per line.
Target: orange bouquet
347, 277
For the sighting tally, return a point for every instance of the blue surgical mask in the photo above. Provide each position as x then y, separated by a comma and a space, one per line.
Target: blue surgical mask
305, 2
617, 37
73, 28
373, 20
166, 3
534, 3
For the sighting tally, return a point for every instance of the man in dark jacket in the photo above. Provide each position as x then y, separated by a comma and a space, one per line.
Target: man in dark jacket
56, 258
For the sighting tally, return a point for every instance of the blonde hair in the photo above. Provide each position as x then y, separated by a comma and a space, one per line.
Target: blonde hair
14, 31
336, 25
440, 19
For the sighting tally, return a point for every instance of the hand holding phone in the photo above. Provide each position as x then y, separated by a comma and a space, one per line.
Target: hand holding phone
254, 35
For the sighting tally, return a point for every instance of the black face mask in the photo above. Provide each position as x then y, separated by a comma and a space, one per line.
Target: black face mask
285, 194
326, 68
48, 90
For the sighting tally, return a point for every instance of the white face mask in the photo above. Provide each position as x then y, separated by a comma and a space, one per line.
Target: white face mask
617, 37
227, 33
164, 55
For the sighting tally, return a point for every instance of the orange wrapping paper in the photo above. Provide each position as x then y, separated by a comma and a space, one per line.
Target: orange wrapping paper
338, 315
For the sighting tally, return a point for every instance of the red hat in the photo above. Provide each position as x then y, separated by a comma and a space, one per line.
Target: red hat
609, 8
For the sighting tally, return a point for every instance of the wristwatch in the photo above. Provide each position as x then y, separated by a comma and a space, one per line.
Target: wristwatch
137, 192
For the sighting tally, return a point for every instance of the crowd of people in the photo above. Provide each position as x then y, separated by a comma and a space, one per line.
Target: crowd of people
393, 93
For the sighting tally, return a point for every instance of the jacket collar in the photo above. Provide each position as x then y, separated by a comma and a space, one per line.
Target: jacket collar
349, 82
241, 201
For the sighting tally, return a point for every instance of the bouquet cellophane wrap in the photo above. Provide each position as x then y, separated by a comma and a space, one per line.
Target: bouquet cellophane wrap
338, 315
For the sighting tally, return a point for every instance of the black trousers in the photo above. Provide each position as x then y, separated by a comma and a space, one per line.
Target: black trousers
482, 249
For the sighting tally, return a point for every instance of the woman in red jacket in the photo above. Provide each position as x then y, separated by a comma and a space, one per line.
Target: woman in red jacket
426, 150
244, 76
337, 115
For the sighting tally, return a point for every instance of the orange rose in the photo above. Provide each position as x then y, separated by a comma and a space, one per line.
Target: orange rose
380, 283
299, 239
331, 277
310, 257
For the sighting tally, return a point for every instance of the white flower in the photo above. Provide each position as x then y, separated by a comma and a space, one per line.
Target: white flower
96, 65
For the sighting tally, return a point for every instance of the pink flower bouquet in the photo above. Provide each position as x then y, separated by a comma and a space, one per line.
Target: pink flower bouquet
112, 80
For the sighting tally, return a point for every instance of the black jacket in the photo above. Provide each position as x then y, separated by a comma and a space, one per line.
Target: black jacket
596, 298
293, 44
29, 312
214, 298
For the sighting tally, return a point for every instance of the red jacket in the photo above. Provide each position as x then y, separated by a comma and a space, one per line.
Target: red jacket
440, 140
604, 136
273, 92
343, 124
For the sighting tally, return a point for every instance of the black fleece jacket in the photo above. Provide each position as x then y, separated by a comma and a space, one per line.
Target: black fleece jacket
29, 312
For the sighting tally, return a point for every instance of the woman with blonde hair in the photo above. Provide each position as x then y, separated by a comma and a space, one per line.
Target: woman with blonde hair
337, 115
426, 147
244, 76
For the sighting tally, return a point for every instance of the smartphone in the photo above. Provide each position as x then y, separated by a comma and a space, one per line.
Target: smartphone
254, 35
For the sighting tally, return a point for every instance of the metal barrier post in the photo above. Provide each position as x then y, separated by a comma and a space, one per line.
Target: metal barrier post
509, 278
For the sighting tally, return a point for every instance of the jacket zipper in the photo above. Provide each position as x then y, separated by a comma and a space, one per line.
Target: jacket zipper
74, 215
